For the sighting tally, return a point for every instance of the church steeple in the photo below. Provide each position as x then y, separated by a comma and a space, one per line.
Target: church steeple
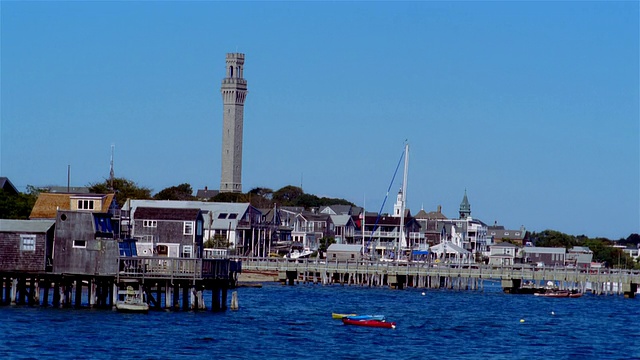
397, 208
465, 207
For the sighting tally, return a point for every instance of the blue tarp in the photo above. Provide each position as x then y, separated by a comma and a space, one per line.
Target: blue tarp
420, 252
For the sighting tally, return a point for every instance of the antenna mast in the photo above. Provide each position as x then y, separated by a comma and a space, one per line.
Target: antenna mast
111, 173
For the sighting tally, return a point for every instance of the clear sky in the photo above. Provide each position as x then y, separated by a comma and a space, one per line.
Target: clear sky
532, 107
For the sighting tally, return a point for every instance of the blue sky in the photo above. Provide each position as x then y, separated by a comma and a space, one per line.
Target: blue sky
532, 107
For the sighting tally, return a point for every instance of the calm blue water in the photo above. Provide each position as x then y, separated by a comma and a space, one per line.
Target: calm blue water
277, 322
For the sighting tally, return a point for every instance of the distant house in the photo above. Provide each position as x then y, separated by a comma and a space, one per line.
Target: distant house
310, 227
382, 232
48, 204
429, 225
504, 254
500, 234
344, 252
170, 232
579, 256
235, 222
26, 245
546, 256
7, 186
206, 194
344, 228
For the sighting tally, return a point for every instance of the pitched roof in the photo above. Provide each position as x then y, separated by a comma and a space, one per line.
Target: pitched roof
6, 185
28, 226
48, 204
206, 193
345, 247
340, 220
147, 213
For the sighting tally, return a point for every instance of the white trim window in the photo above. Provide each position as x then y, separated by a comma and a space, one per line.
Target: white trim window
187, 228
149, 223
85, 204
27, 242
79, 244
187, 251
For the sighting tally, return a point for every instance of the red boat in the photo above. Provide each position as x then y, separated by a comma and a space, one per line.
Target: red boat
370, 323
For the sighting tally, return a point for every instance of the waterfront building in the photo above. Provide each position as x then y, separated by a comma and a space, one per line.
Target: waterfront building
234, 93
26, 245
544, 256
309, 227
171, 232
579, 256
238, 225
47, 204
504, 254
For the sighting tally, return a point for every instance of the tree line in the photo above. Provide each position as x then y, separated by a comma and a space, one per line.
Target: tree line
602, 248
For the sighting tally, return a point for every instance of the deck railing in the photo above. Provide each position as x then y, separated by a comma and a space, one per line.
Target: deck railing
175, 268
413, 268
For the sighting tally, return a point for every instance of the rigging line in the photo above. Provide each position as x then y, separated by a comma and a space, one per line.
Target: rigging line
375, 226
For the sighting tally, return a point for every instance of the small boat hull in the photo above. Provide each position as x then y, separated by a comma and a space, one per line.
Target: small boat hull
367, 317
559, 294
370, 323
132, 307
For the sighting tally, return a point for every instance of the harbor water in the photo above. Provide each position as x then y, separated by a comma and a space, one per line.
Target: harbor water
294, 322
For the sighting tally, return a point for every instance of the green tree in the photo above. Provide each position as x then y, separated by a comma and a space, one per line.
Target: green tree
123, 188
287, 195
180, 192
18, 206
261, 197
229, 197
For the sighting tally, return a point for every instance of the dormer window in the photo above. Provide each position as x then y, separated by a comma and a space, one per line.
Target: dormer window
233, 216
85, 204
222, 216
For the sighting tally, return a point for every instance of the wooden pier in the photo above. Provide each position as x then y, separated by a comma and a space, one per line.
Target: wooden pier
451, 276
168, 283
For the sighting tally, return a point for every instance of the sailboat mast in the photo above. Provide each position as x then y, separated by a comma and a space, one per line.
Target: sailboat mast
403, 200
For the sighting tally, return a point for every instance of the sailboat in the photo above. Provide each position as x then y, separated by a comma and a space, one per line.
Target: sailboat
400, 241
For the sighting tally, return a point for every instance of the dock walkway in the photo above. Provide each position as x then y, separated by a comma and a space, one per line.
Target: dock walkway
448, 275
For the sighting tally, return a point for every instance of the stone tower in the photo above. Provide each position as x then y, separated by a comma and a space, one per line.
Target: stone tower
234, 92
465, 207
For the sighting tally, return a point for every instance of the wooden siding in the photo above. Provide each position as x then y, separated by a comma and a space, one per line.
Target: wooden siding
14, 259
99, 255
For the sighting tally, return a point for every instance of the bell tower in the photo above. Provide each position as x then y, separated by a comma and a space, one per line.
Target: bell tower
465, 207
234, 92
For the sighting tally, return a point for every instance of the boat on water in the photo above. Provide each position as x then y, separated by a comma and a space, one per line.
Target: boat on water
369, 323
340, 316
366, 317
133, 302
559, 294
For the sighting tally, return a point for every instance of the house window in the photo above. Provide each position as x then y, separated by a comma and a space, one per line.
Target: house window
27, 242
85, 204
188, 228
80, 244
222, 216
150, 223
199, 228
187, 251
233, 216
